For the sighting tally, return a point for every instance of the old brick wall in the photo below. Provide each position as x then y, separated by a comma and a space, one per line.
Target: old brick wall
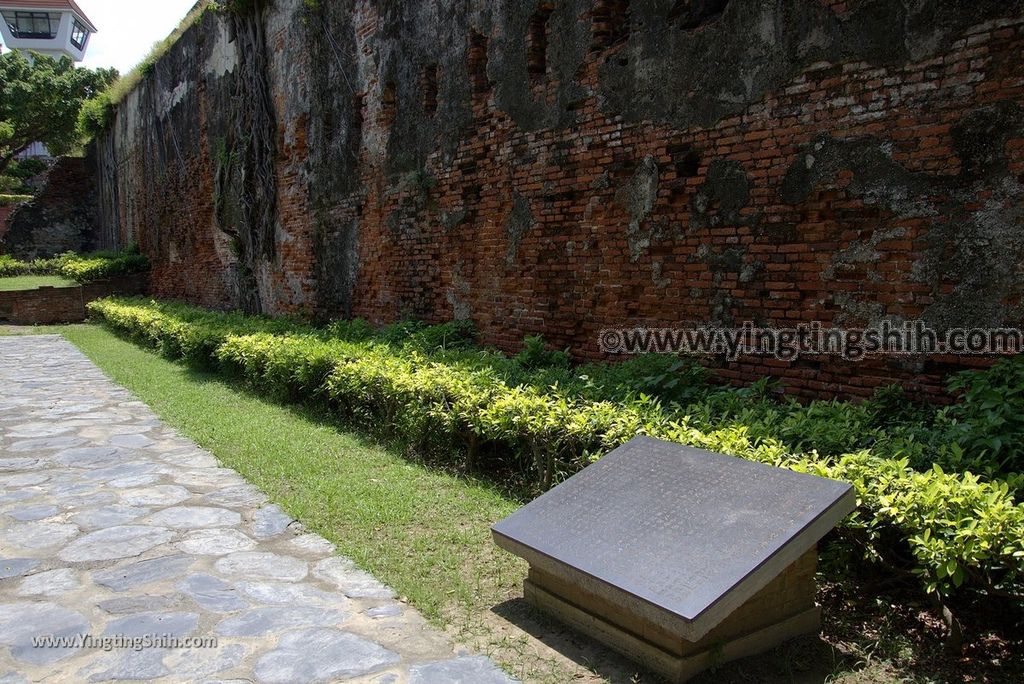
43, 306
61, 218
5, 213
563, 167
55, 305
157, 169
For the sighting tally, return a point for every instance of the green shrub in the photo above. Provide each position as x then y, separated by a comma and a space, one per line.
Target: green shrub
978, 435
90, 269
447, 336
26, 168
82, 269
96, 116
11, 267
356, 330
413, 334
989, 419
829, 427
535, 354
953, 530
890, 407
657, 375
14, 182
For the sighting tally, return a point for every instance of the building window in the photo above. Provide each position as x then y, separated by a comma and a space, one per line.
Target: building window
34, 26
79, 34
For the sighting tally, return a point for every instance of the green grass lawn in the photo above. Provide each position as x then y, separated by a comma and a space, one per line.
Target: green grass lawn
33, 282
7, 199
426, 533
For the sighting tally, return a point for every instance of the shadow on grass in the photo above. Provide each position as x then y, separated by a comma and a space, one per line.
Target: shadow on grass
569, 643
890, 625
500, 480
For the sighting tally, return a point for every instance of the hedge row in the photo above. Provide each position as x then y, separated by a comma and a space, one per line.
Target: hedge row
953, 530
81, 269
983, 432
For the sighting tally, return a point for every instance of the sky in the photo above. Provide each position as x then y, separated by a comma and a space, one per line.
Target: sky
129, 28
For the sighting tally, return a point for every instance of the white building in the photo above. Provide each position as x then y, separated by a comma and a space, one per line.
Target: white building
56, 28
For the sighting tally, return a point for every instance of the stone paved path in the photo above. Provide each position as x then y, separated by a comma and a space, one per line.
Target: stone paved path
111, 524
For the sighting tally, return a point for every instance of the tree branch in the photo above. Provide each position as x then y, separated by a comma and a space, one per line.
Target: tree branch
6, 160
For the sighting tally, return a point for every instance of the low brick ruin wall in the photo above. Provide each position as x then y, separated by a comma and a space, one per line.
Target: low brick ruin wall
57, 305
559, 168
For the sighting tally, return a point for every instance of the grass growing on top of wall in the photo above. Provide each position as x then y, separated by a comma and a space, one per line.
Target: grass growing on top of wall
98, 113
128, 82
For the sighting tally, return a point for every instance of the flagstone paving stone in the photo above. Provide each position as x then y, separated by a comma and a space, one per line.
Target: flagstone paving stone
112, 525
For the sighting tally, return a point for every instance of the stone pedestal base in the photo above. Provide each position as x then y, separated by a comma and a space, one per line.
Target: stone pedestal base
781, 611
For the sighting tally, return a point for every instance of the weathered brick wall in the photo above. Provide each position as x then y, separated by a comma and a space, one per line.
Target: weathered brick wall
157, 170
5, 213
44, 306
61, 218
560, 168
54, 305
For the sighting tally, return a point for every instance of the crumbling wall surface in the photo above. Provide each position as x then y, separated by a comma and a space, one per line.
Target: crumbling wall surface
5, 213
61, 218
163, 152
561, 167
203, 166
289, 282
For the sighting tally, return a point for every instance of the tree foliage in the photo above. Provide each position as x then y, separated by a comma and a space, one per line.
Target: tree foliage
40, 100
96, 115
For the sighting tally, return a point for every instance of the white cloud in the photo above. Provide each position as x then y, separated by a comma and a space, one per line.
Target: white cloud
129, 28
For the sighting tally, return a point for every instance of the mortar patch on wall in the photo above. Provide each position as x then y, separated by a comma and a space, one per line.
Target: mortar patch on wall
762, 45
722, 197
519, 222
223, 57
637, 198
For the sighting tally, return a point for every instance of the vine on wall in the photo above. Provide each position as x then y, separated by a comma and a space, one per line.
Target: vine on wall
246, 179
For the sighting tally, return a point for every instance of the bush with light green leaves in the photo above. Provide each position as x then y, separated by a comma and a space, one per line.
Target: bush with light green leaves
81, 269
954, 530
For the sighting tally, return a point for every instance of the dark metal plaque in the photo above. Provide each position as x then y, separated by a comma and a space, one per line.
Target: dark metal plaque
676, 527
